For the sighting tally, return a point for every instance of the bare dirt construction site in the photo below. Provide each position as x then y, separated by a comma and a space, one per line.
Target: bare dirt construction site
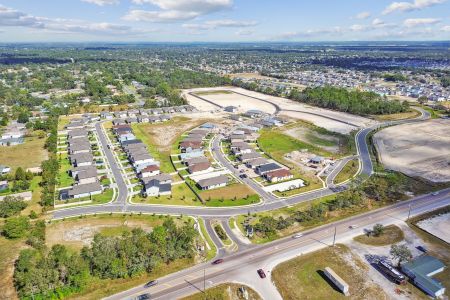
438, 226
245, 100
417, 149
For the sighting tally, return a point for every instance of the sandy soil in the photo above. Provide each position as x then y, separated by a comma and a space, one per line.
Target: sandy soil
438, 226
417, 149
285, 104
80, 233
369, 254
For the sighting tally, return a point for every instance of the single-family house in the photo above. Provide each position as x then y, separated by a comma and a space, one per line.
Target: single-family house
200, 167
89, 175
85, 190
213, 183
263, 169
253, 163
278, 175
82, 159
189, 146
149, 171
195, 160
249, 156
158, 185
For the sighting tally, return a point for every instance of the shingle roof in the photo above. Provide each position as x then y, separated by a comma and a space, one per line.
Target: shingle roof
85, 188
213, 181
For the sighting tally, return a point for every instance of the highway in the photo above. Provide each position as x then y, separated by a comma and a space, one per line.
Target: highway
242, 265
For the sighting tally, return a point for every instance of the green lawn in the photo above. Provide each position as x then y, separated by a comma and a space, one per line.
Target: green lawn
349, 170
27, 155
163, 157
212, 252
391, 235
64, 179
225, 291
181, 195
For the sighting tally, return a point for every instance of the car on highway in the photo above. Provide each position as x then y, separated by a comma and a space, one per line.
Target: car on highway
217, 261
243, 176
297, 235
353, 226
143, 297
422, 248
151, 283
435, 193
261, 273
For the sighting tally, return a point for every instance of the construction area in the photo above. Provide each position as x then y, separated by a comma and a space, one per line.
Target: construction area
417, 149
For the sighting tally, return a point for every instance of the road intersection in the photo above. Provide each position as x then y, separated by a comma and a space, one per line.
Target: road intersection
242, 263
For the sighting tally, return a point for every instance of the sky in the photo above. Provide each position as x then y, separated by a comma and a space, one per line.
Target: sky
223, 20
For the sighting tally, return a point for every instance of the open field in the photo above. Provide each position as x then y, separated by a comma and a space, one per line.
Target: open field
234, 194
160, 138
9, 252
334, 124
303, 278
417, 149
181, 195
78, 232
226, 291
391, 235
400, 116
27, 155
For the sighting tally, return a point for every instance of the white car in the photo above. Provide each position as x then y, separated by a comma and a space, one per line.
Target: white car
435, 193
297, 235
353, 226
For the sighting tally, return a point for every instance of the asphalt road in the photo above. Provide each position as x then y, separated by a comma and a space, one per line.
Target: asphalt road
248, 261
269, 202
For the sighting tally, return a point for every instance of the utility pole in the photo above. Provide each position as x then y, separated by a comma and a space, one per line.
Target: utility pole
204, 281
334, 237
409, 213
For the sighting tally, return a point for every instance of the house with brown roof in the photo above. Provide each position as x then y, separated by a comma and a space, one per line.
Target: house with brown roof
200, 167
278, 175
149, 171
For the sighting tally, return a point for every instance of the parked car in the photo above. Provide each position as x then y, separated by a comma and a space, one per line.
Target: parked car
422, 248
151, 283
261, 273
217, 261
297, 235
243, 176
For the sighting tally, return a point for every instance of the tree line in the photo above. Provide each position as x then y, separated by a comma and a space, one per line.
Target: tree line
383, 189
42, 273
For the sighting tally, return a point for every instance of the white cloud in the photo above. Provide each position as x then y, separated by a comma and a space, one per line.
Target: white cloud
176, 10
14, 18
410, 6
419, 22
102, 2
209, 25
358, 27
245, 32
377, 22
446, 28
363, 15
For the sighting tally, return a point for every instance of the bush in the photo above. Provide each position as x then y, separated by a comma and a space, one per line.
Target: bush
11, 206
16, 227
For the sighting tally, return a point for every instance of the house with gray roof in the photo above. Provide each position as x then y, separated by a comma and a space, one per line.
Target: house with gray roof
85, 190
263, 169
213, 183
89, 175
249, 156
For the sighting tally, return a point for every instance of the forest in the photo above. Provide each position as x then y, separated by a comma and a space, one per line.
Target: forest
42, 273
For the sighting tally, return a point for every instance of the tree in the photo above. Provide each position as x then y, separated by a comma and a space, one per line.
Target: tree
422, 100
11, 206
377, 229
400, 253
16, 227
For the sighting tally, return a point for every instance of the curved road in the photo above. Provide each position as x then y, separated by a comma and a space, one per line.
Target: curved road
120, 204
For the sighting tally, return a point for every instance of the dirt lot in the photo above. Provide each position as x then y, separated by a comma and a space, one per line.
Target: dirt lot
438, 226
417, 149
226, 291
27, 155
77, 233
326, 142
285, 104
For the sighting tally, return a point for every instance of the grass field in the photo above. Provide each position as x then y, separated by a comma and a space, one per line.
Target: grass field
141, 132
64, 179
9, 252
226, 291
217, 92
241, 193
212, 252
399, 116
181, 195
391, 235
29, 154
347, 172
303, 277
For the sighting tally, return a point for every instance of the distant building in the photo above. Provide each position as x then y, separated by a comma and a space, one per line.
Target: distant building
231, 109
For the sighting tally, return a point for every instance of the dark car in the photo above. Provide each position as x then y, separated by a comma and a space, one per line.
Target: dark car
422, 248
143, 297
151, 283
261, 273
243, 176
217, 261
